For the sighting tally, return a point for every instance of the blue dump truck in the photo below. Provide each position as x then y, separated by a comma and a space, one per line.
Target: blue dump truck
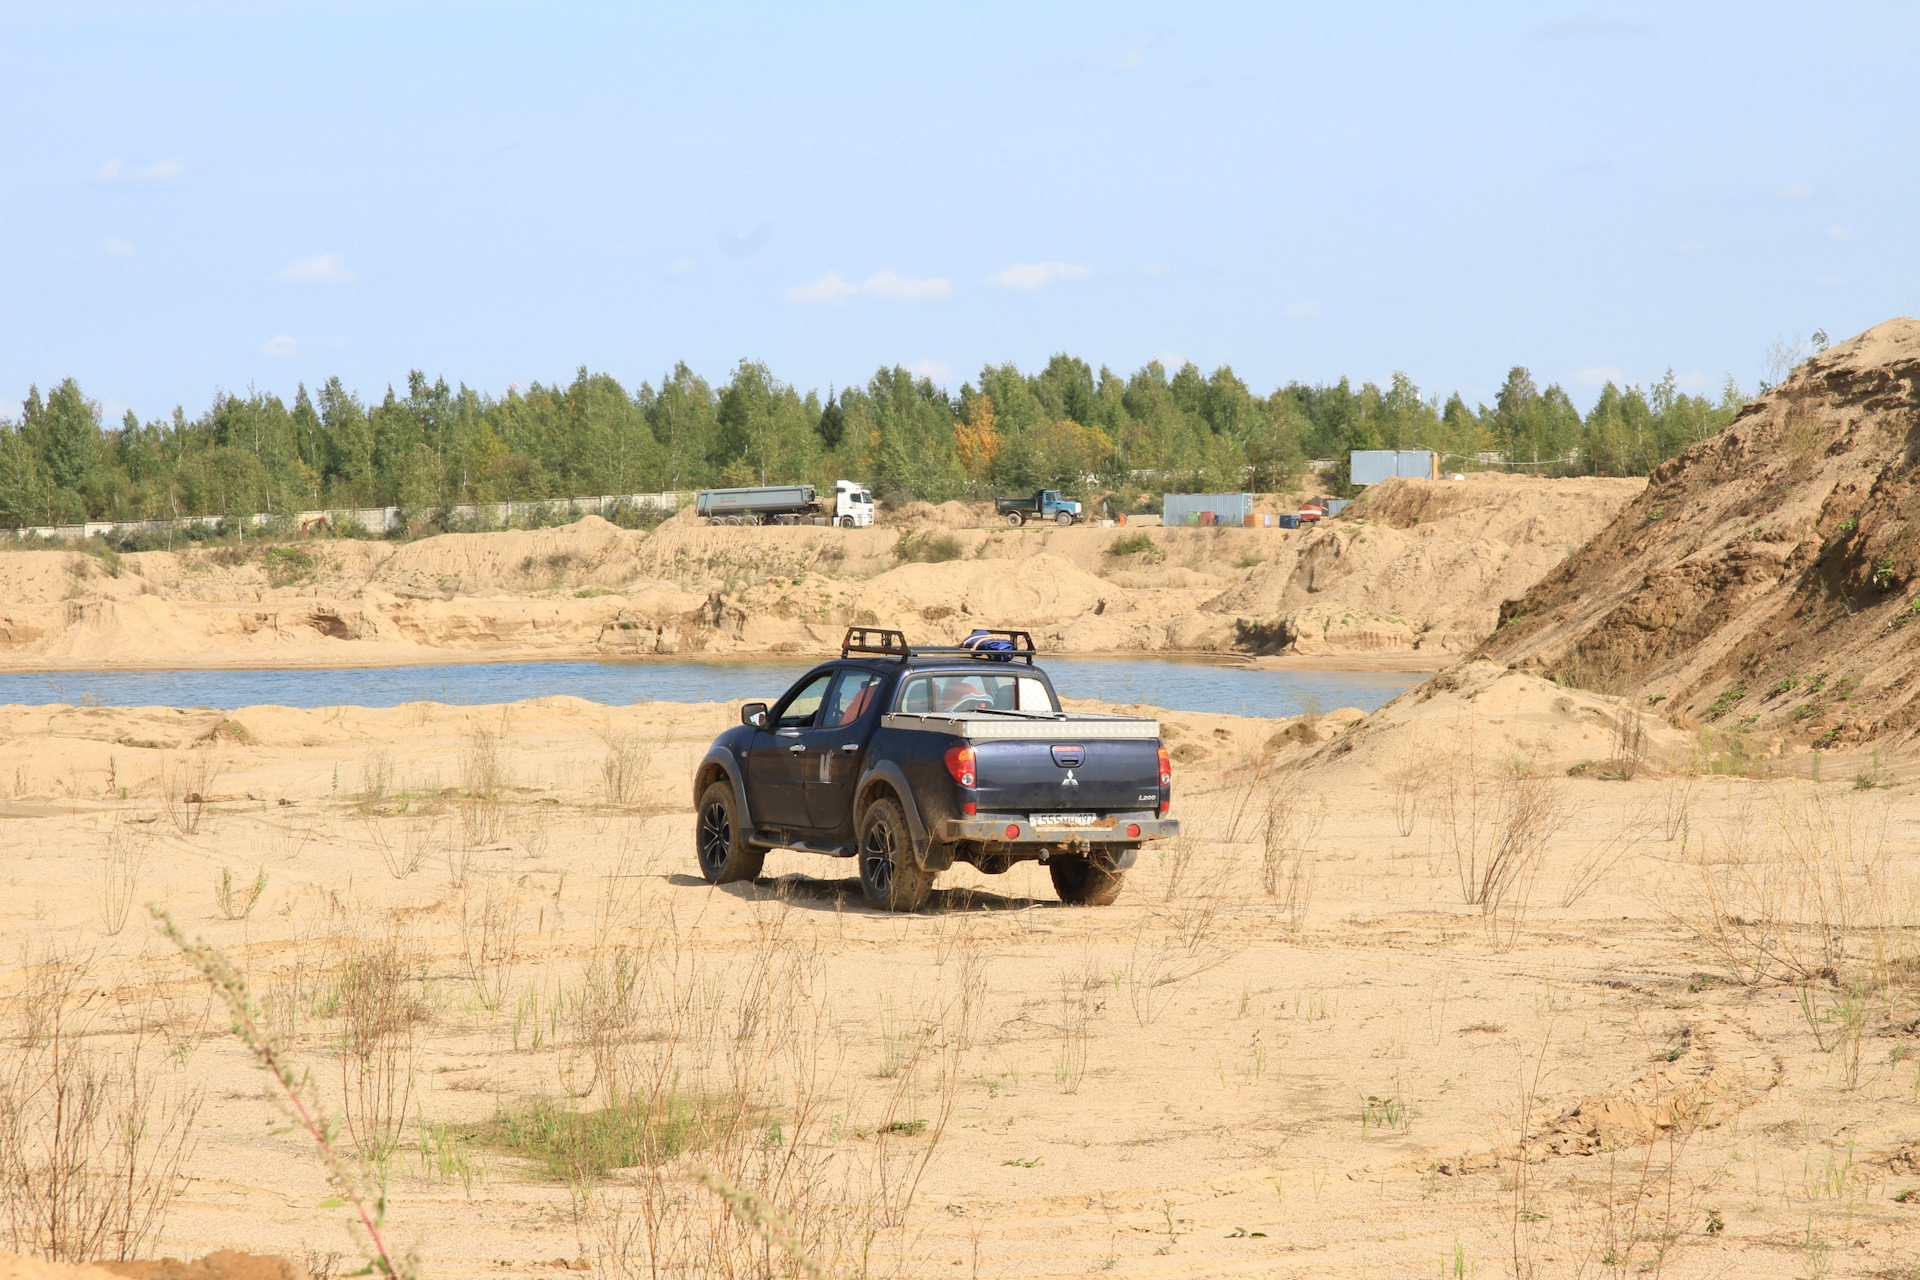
1047, 504
910, 758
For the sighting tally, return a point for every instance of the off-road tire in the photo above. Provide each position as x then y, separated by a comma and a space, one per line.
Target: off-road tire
889, 875
846, 522
1015, 519
719, 845
1084, 880
1063, 518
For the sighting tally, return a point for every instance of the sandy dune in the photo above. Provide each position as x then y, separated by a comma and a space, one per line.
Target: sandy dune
1355, 1074
1413, 571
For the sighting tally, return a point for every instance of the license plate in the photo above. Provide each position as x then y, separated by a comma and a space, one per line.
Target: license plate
1064, 819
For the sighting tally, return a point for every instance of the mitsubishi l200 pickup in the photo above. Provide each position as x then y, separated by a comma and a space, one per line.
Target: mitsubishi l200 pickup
911, 758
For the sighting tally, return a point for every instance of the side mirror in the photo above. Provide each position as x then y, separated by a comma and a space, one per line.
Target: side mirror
755, 714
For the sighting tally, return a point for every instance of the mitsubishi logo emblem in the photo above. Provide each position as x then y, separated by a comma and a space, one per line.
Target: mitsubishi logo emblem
1069, 780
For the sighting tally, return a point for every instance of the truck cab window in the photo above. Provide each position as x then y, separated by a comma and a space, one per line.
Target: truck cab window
801, 711
851, 698
973, 691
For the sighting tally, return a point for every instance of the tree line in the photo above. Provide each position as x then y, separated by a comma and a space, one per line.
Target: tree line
1065, 427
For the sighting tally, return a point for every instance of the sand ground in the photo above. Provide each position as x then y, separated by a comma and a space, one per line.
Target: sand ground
1356, 1074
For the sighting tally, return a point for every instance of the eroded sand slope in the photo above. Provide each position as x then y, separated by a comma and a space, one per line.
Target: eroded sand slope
1765, 580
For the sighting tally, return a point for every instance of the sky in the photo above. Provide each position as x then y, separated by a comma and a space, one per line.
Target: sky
229, 195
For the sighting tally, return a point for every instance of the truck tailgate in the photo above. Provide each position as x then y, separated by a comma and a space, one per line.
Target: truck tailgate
1067, 774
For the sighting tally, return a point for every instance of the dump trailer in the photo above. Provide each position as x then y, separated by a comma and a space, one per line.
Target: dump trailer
769, 504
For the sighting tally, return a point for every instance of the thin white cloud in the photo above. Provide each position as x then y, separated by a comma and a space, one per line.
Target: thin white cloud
745, 244
1031, 276
1155, 268
1303, 310
620, 252
1690, 246
682, 266
1171, 360
936, 370
323, 268
279, 345
1839, 234
888, 286
894, 287
828, 290
115, 173
1693, 382
1795, 191
1586, 26
116, 249
1117, 57
1599, 375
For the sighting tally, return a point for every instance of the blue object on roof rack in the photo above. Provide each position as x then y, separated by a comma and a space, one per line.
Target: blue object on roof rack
989, 645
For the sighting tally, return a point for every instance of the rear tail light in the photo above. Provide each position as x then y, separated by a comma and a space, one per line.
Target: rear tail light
1013, 831
1133, 830
969, 808
1166, 768
960, 765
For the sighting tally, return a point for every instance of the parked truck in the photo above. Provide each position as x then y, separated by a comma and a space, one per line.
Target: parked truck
786, 504
1047, 504
910, 758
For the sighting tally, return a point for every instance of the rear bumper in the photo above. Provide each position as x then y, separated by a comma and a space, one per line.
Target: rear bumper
989, 828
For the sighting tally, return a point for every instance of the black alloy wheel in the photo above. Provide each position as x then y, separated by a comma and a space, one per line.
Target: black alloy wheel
890, 876
720, 845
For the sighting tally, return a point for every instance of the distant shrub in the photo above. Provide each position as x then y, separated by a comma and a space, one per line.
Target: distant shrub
1134, 544
628, 514
941, 547
287, 565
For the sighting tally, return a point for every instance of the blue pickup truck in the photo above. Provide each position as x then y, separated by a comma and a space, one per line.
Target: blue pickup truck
911, 758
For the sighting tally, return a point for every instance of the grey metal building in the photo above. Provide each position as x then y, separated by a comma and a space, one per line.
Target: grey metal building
1371, 466
1227, 508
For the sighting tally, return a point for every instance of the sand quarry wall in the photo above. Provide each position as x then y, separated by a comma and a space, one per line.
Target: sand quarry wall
1414, 568
1768, 579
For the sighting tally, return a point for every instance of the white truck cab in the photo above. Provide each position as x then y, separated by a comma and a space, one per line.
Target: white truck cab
852, 505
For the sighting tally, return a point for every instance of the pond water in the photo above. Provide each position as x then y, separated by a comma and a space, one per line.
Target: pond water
1176, 685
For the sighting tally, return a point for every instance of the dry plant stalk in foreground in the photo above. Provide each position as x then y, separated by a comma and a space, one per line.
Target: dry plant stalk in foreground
359, 1187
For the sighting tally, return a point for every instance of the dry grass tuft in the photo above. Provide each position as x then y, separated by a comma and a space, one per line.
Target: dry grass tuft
1801, 891
623, 768
128, 844
237, 900
92, 1142
186, 782
483, 784
1286, 856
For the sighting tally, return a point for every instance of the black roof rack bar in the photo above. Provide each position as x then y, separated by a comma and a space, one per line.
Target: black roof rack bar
886, 643
875, 640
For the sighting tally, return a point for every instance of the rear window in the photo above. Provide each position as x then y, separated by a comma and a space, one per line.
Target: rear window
973, 691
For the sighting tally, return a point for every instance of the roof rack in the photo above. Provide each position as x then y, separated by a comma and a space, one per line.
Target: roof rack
890, 644
886, 643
